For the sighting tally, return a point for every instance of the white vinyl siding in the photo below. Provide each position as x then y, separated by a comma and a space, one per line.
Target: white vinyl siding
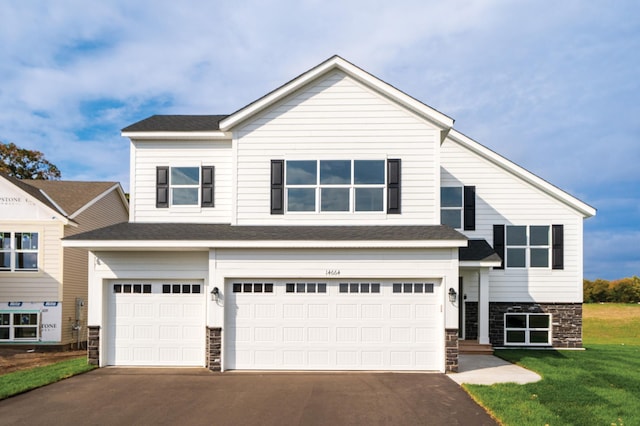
147, 155
502, 198
331, 119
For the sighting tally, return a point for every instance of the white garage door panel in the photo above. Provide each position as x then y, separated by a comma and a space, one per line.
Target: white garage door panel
333, 330
156, 328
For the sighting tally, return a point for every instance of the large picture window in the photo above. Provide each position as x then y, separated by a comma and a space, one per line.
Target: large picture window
19, 251
528, 246
525, 329
335, 185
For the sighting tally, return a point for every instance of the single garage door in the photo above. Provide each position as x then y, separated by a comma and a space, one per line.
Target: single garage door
156, 324
333, 325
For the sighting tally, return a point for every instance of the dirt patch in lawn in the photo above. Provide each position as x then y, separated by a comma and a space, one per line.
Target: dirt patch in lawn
13, 359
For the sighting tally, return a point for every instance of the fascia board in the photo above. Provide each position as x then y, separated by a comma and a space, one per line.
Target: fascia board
176, 135
336, 62
164, 244
480, 263
552, 190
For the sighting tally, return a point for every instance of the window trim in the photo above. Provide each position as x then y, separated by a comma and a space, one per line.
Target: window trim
12, 326
460, 208
527, 247
13, 252
527, 329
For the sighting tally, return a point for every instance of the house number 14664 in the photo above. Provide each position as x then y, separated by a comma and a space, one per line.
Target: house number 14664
332, 272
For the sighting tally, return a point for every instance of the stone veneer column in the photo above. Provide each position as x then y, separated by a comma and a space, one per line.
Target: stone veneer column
451, 349
93, 345
214, 348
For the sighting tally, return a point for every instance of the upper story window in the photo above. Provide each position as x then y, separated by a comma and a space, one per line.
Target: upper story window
335, 186
451, 206
527, 246
18, 251
184, 186
458, 207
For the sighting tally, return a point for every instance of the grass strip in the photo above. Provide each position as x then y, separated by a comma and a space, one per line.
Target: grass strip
599, 386
25, 380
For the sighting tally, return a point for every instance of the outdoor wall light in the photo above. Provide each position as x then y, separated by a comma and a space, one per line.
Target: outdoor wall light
214, 293
452, 295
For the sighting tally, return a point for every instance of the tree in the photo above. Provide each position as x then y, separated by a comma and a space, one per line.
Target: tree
26, 164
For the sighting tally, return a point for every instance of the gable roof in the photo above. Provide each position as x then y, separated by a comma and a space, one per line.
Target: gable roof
338, 63
520, 172
65, 197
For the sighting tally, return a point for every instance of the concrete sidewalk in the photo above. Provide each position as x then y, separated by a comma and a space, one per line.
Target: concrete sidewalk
489, 369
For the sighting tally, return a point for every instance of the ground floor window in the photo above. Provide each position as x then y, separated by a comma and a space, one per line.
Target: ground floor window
527, 329
18, 326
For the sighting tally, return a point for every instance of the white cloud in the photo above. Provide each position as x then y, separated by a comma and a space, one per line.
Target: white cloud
553, 87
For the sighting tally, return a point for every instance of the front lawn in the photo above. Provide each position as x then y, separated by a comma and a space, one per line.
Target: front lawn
24, 380
598, 386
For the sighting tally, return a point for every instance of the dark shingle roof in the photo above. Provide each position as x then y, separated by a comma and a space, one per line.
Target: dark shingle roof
70, 196
478, 250
217, 232
177, 123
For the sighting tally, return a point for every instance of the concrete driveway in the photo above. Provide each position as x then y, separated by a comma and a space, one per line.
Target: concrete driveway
133, 396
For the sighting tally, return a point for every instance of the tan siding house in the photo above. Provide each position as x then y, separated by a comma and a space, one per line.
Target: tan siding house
43, 286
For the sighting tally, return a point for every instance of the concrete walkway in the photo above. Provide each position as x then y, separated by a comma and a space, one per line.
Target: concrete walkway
489, 369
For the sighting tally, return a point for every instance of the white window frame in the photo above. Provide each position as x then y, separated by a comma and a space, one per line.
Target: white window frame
13, 252
527, 329
173, 186
12, 326
352, 187
527, 247
460, 208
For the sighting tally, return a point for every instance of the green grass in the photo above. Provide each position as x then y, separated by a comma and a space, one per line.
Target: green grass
25, 380
598, 386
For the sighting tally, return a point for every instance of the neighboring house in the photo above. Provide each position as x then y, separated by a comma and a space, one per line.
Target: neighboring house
43, 286
334, 224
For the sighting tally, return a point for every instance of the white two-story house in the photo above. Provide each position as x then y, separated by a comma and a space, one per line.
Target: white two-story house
336, 223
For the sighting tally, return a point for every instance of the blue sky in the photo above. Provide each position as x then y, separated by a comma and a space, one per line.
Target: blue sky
553, 86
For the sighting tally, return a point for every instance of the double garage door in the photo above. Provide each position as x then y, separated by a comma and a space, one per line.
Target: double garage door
280, 325
156, 324
333, 325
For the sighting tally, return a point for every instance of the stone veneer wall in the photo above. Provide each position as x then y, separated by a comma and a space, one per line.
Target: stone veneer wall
451, 349
93, 345
471, 320
566, 327
214, 348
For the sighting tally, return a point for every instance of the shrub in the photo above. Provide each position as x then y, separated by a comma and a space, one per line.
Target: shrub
625, 290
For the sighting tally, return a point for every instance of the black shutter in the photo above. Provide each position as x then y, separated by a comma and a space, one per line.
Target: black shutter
162, 187
207, 184
393, 186
469, 208
277, 186
498, 243
557, 247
